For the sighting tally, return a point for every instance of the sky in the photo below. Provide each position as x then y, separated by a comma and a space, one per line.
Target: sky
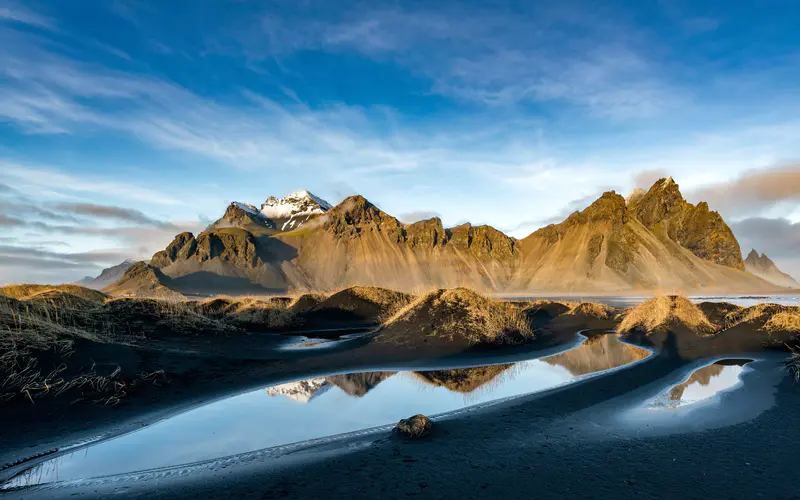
124, 122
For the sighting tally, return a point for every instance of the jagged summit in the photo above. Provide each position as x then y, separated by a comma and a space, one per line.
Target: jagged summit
282, 214
653, 240
664, 211
239, 214
764, 267
294, 210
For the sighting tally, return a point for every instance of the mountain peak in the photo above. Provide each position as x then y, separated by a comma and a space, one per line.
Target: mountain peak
763, 267
239, 213
293, 210
660, 202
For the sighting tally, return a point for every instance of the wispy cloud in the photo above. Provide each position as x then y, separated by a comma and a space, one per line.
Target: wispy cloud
112, 212
492, 57
40, 178
7, 221
16, 13
753, 191
417, 215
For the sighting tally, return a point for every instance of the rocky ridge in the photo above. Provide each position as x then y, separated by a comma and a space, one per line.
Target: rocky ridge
654, 240
762, 266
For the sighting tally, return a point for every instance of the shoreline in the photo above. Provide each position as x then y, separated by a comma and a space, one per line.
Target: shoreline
372, 455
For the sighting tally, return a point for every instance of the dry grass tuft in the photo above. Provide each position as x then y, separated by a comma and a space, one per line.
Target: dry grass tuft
140, 317
784, 321
262, 313
657, 313
367, 302
792, 363
593, 310
463, 313
773, 317
305, 302
388, 301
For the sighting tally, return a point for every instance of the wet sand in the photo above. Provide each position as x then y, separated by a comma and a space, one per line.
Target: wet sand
203, 372
567, 442
525, 447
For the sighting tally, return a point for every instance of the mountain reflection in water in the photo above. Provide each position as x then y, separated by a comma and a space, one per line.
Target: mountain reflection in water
323, 406
706, 382
599, 353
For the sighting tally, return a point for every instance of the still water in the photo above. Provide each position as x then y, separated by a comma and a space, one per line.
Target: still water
703, 384
324, 406
624, 301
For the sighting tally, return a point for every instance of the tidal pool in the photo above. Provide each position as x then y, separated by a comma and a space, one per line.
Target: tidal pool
323, 406
703, 384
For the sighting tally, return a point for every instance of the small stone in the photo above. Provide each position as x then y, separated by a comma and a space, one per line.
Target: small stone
415, 427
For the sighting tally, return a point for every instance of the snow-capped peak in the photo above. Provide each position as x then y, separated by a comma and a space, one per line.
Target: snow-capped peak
252, 210
295, 209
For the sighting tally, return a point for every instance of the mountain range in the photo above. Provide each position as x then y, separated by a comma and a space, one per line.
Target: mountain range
653, 240
107, 277
762, 266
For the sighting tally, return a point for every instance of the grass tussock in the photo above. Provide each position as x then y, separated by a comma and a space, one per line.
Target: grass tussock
463, 313
784, 321
660, 312
143, 317
593, 310
305, 302
354, 298
267, 314
792, 364
773, 316
37, 341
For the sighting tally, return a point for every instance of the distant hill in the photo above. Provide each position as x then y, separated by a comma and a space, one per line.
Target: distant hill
762, 266
655, 240
143, 280
107, 277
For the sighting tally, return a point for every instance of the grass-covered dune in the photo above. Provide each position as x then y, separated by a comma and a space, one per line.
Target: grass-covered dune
85, 345
74, 361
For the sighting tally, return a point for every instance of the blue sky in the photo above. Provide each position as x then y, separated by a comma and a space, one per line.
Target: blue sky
124, 121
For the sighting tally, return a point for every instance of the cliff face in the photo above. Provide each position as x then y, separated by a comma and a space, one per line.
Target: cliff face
762, 266
364, 245
664, 211
654, 240
234, 246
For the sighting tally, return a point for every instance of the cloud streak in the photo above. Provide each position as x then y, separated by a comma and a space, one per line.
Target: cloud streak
753, 190
112, 212
495, 57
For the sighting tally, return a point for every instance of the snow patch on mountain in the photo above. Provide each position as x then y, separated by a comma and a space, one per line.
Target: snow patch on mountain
294, 210
250, 209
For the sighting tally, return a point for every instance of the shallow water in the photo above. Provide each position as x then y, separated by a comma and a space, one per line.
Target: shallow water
324, 406
624, 301
703, 384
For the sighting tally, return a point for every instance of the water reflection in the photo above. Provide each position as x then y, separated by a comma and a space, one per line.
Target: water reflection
328, 406
703, 384
601, 352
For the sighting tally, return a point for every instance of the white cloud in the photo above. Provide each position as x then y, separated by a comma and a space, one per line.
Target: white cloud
13, 12
42, 180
